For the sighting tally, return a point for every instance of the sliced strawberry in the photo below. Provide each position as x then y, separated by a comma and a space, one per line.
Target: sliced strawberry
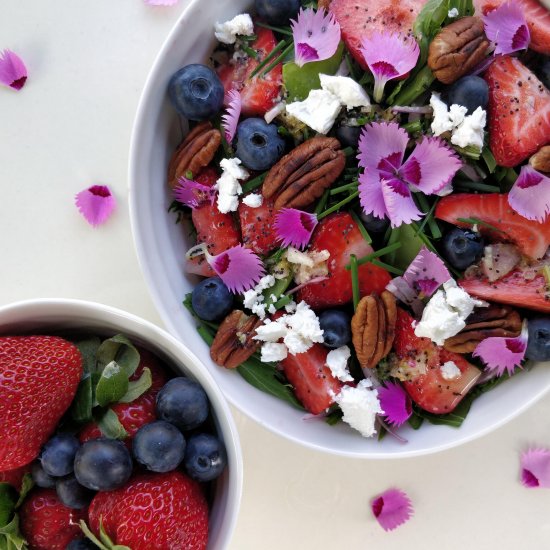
531, 237
258, 94
519, 111
362, 18
340, 235
314, 384
257, 227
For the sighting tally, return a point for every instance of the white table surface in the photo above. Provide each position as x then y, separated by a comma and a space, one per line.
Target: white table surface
70, 128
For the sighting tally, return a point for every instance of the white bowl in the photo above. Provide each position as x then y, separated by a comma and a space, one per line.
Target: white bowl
36, 316
161, 245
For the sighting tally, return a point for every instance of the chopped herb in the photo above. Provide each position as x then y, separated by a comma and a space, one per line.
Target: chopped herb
377, 254
477, 186
338, 205
354, 280
429, 218
361, 227
254, 183
322, 202
282, 44
280, 30
343, 188
279, 59
388, 267
477, 221
249, 51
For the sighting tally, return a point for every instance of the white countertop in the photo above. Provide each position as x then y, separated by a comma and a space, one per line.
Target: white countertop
70, 128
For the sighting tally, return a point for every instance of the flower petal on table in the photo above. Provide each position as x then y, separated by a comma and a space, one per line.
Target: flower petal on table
392, 508
13, 72
535, 468
96, 204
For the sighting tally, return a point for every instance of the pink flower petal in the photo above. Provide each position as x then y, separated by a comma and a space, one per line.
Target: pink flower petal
392, 508
530, 195
230, 119
370, 194
535, 468
404, 293
507, 28
426, 273
395, 402
161, 2
382, 141
388, 56
294, 227
399, 202
238, 267
13, 72
316, 35
192, 193
96, 204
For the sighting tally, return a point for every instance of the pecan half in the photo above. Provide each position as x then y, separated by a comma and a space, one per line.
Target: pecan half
541, 161
195, 152
233, 343
303, 175
325, 4
457, 49
484, 322
373, 328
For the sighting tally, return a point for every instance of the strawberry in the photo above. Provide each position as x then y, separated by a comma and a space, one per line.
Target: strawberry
314, 384
519, 111
258, 94
15, 477
46, 523
531, 237
257, 227
362, 18
162, 511
39, 376
340, 235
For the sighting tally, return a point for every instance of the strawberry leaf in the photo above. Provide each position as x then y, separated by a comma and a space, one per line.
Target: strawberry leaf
112, 385
137, 387
8, 498
119, 349
88, 348
10, 536
110, 425
81, 408
27, 484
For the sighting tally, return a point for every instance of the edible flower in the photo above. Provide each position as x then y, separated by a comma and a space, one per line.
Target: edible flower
392, 508
192, 193
294, 227
395, 402
501, 354
316, 36
388, 56
386, 185
530, 194
507, 28
535, 468
238, 267
13, 72
96, 204
231, 118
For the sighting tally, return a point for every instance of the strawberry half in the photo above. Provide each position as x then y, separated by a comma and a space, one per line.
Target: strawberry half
257, 227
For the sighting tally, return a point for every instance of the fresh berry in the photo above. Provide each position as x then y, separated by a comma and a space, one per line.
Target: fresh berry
15, 477
336, 326
340, 235
277, 12
519, 111
257, 227
58, 454
180, 518
462, 247
40, 477
39, 376
82, 544
313, 383
103, 464
46, 523
374, 224
211, 299
72, 494
259, 145
183, 402
159, 446
196, 92
348, 136
205, 457
538, 342
469, 91
531, 237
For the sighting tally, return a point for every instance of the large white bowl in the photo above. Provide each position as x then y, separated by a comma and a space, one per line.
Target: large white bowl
161, 245
49, 315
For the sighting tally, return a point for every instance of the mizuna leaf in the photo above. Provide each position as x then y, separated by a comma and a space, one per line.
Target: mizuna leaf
137, 387
110, 425
119, 349
112, 385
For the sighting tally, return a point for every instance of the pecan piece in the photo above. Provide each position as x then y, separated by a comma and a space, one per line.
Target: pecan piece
303, 175
233, 343
541, 161
457, 49
195, 152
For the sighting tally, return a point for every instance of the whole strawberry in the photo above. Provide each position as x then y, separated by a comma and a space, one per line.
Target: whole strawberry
38, 380
179, 521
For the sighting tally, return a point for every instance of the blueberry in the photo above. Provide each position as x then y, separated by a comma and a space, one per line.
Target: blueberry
259, 145
103, 464
81, 544
72, 494
182, 402
159, 446
336, 326
374, 224
470, 91
205, 457
277, 12
58, 455
40, 477
462, 247
348, 136
196, 92
211, 299
538, 343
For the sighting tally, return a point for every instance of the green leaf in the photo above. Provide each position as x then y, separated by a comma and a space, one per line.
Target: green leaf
489, 159
277, 289
411, 243
88, 348
8, 499
112, 385
415, 421
119, 349
453, 419
27, 484
428, 24
81, 408
10, 536
137, 387
110, 425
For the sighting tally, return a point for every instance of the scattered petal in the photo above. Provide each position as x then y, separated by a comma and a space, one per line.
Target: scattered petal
294, 227
392, 508
379, 141
161, 2
530, 195
395, 403
507, 28
192, 193
535, 468
399, 202
96, 204
404, 293
316, 35
13, 72
426, 273
230, 119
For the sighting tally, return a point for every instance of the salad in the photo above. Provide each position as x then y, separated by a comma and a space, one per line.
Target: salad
367, 184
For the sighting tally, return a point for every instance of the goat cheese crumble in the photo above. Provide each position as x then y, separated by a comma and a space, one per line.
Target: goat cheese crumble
337, 362
319, 110
253, 299
349, 92
449, 370
254, 200
227, 32
452, 13
228, 185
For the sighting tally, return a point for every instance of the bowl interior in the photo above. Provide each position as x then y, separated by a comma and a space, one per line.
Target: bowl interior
161, 246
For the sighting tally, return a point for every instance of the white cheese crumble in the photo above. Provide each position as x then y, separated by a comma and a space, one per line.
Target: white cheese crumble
227, 32
470, 131
449, 370
349, 92
452, 13
273, 353
254, 200
337, 362
307, 265
253, 299
228, 185
271, 331
319, 110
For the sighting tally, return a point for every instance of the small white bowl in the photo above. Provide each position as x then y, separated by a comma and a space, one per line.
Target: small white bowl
161, 246
52, 315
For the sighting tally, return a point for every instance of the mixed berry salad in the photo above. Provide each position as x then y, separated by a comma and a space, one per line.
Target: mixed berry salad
368, 187
102, 447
